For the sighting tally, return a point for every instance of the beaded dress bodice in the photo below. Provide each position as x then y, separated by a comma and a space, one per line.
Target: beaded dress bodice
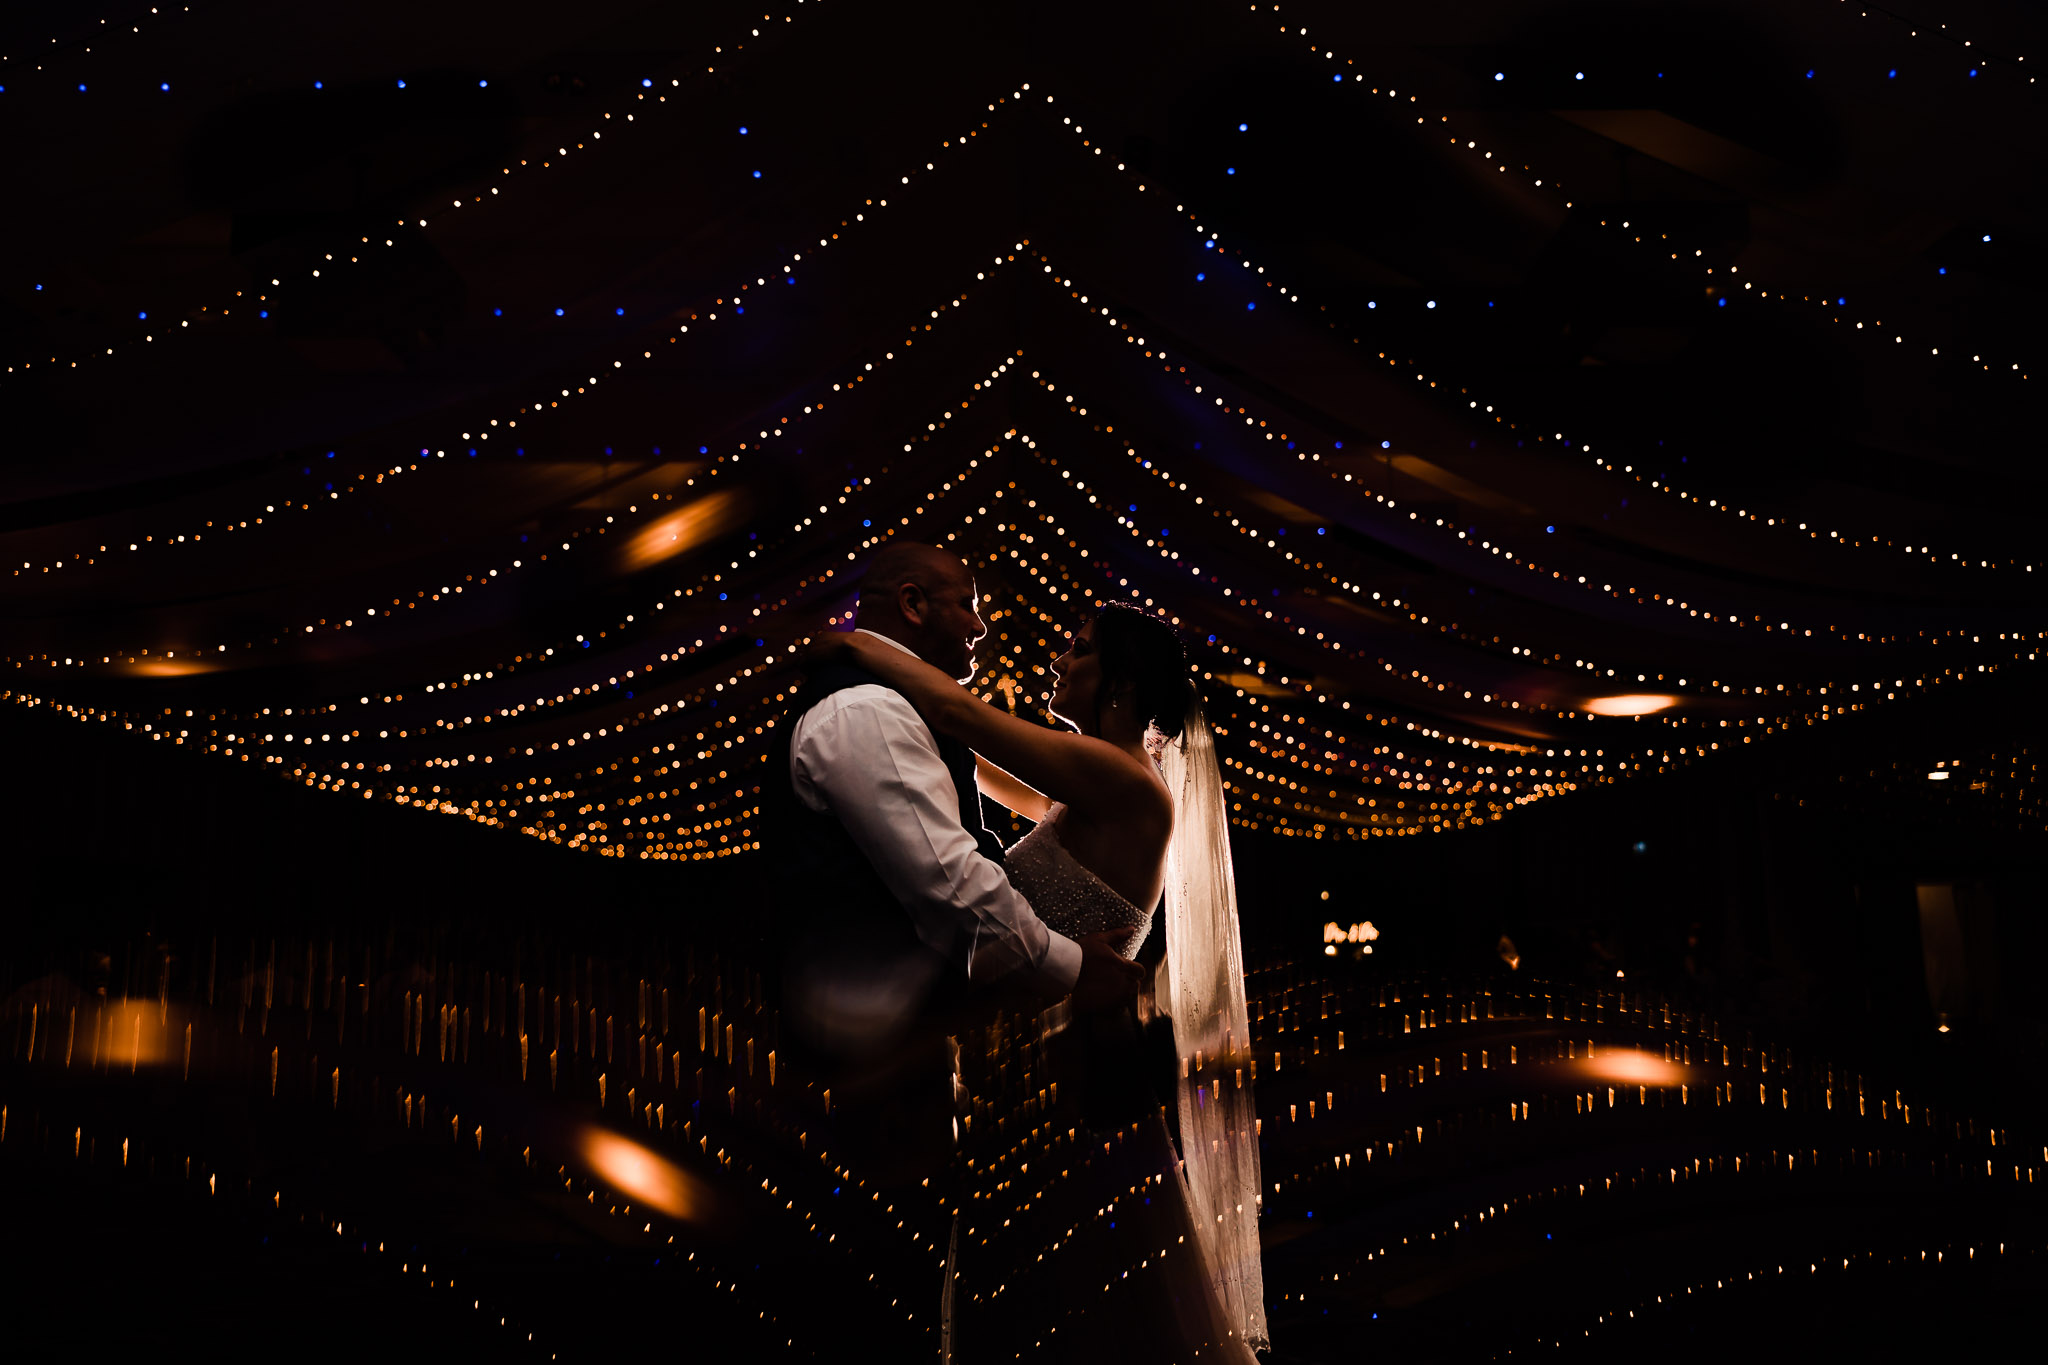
1065, 895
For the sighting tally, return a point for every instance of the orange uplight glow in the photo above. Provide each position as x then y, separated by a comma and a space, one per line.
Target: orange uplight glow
133, 1033
1634, 704
683, 529
169, 668
645, 1176
1632, 1068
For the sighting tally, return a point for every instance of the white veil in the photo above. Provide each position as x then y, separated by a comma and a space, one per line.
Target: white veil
1203, 988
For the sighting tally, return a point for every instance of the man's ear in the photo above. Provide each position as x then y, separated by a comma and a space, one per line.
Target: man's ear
912, 603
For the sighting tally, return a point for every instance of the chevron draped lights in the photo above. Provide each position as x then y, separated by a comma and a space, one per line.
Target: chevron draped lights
1820, 305
1355, 695
254, 299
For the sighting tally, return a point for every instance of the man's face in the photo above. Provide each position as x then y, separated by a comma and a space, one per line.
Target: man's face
952, 624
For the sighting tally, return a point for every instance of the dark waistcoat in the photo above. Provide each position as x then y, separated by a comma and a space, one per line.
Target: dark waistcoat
832, 909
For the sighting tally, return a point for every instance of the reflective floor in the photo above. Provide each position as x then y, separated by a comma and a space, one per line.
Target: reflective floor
411, 1141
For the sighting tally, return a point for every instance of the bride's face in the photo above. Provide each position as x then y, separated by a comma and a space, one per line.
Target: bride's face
1076, 675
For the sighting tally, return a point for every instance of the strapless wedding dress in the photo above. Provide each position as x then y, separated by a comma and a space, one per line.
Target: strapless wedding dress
1078, 1242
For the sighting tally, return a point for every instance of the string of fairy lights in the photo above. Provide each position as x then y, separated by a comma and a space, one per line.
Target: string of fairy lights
369, 478
1822, 305
646, 87
1891, 691
1212, 240
480, 810
1821, 690
1468, 538
38, 60
482, 577
324, 779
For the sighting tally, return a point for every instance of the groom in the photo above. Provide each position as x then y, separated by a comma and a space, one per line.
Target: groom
900, 918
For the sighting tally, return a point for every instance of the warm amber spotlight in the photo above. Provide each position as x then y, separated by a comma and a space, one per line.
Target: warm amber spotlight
683, 529
1634, 704
169, 668
1632, 1068
644, 1175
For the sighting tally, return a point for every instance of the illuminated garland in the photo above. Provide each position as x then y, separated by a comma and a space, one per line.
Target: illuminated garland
1356, 591
366, 479
1210, 241
1557, 188
596, 135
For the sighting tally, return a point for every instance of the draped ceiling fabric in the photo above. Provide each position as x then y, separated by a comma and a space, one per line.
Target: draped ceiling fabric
474, 409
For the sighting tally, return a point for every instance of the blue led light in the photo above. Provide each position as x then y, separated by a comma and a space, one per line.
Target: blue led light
738, 309
1340, 445
1432, 303
1372, 303
1809, 75
497, 312
1322, 530
558, 312
703, 450
1939, 270
1550, 530
1244, 127
1338, 79
1249, 307
1230, 170
142, 315
164, 85
264, 313
483, 85
743, 130
1973, 71
319, 85
1386, 445
1580, 76
1720, 303
866, 522
757, 175
1209, 244
1987, 236
1891, 73
618, 312
401, 85
81, 89
1500, 75
645, 83
721, 597
1199, 277
1842, 303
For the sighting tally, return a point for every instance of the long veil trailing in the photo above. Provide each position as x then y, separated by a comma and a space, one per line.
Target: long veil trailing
1204, 991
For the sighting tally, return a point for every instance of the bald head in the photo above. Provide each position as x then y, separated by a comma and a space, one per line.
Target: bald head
923, 597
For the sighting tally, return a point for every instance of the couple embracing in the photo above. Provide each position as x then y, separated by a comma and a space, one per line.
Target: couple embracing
910, 923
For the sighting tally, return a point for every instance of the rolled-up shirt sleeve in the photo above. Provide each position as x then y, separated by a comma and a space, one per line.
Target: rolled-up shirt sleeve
865, 756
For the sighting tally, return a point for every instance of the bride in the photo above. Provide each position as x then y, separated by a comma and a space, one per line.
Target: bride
1119, 1249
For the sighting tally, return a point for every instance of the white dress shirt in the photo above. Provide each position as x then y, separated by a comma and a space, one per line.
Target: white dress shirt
865, 756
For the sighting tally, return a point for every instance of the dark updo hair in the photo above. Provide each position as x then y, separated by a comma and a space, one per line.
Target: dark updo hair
1139, 651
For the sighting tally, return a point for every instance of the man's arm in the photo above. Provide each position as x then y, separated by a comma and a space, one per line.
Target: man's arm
865, 756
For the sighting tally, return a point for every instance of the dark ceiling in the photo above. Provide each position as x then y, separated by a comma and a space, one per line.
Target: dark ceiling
495, 396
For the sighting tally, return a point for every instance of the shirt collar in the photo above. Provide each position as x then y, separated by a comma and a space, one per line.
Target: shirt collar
895, 644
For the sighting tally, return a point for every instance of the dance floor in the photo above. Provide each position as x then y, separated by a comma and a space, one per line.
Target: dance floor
400, 1139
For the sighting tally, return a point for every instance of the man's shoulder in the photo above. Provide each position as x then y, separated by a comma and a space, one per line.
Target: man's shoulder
850, 698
